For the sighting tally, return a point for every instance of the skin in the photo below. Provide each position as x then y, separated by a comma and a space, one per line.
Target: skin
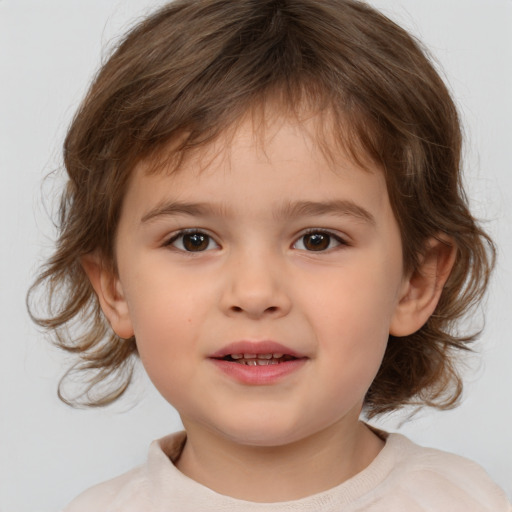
256, 278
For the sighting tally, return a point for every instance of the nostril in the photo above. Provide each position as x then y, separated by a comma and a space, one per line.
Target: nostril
270, 309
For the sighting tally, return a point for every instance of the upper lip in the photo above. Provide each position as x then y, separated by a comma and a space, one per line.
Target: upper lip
255, 347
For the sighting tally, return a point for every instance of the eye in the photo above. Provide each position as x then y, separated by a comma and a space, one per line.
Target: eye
192, 241
318, 241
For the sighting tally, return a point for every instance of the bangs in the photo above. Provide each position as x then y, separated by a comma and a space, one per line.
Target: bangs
336, 128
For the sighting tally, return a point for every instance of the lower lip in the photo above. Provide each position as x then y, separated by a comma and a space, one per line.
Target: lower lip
259, 375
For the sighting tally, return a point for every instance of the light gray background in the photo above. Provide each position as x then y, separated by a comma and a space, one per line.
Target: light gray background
48, 53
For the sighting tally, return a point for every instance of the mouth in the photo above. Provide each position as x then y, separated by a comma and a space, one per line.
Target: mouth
257, 353
258, 362
258, 359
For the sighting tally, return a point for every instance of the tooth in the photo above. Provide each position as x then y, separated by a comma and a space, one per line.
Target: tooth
262, 362
252, 362
264, 356
237, 356
249, 356
277, 355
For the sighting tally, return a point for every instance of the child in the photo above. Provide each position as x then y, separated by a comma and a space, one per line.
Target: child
265, 205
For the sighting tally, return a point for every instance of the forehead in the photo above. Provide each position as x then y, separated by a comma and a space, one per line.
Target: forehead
330, 131
325, 135
270, 163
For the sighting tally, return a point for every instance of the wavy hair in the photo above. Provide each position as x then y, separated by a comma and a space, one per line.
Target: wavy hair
195, 67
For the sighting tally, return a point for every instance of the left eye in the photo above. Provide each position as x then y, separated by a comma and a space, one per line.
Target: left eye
194, 241
317, 241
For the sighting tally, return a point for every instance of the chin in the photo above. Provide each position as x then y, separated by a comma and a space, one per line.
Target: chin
260, 433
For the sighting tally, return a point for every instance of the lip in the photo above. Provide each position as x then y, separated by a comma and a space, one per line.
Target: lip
255, 347
257, 375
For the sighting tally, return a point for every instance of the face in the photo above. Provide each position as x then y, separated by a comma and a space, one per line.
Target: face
260, 281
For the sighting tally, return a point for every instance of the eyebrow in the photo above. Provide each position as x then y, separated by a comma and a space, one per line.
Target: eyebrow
176, 208
339, 207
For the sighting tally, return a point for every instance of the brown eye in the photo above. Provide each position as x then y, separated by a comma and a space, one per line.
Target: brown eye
194, 241
316, 241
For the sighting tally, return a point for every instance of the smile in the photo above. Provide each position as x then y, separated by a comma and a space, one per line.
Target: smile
259, 359
259, 363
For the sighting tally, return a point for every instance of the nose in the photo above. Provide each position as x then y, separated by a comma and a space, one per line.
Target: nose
255, 286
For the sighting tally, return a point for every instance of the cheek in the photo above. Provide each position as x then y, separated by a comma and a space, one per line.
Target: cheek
165, 320
351, 317
356, 299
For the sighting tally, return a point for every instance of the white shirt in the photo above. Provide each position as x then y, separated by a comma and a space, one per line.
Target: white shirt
404, 477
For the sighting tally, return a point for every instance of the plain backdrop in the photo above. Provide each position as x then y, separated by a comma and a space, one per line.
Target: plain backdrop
49, 51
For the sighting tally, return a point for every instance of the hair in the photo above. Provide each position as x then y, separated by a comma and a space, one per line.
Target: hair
192, 70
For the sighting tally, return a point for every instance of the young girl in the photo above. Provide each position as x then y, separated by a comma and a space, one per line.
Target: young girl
265, 206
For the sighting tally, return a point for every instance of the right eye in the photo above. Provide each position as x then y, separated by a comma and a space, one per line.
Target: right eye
192, 241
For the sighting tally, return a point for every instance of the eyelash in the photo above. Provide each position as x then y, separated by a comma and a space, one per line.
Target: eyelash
324, 235
184, 232
322, 232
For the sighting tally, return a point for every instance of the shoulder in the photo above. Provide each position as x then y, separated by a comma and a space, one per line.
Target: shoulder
109, 495
133, 491
437, 480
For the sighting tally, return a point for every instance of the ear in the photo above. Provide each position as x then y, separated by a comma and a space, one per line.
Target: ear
423, 287
110, 294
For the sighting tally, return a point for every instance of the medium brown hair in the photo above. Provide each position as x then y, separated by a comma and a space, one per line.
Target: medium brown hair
194, 68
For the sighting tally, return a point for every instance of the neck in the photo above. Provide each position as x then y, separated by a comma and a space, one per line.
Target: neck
278, 473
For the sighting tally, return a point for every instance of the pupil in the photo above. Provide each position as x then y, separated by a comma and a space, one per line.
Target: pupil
195, 242
316, 242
